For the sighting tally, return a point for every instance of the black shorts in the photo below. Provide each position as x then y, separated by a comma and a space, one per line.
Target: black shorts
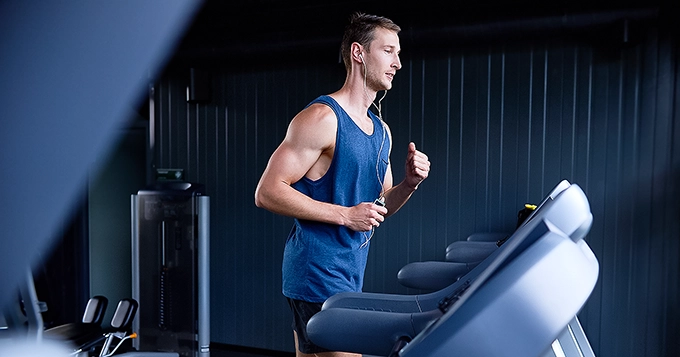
302, 312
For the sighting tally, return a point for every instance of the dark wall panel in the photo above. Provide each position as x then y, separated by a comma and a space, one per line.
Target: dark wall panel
501, 125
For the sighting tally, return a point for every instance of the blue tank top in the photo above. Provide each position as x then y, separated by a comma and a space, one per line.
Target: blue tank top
320, 259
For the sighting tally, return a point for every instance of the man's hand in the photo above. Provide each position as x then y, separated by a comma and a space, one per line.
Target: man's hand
364, 216
417, 167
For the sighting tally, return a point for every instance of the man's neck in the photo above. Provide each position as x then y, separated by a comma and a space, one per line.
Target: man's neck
354, 97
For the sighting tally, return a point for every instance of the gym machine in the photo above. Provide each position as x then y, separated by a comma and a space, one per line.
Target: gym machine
170, 268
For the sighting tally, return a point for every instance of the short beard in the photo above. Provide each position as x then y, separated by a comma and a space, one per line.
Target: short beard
373, 82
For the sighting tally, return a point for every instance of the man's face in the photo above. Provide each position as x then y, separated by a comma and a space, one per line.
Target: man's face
382, 61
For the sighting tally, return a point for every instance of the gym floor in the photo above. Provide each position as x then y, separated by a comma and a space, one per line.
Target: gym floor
219, 350
219, 353
236, 351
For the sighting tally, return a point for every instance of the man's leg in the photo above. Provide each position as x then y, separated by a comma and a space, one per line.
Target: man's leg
304, 347
320, 354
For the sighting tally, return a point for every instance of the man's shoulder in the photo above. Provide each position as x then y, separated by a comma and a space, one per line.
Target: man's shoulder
317, 113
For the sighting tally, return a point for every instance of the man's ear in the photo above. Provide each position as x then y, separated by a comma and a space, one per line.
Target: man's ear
357, 51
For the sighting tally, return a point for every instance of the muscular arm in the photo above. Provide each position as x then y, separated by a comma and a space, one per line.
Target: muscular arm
306, 151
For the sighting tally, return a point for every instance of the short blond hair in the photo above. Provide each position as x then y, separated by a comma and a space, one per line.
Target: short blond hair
361, 29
